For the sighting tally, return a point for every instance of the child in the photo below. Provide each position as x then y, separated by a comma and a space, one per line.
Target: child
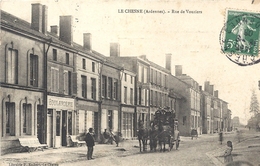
227, 155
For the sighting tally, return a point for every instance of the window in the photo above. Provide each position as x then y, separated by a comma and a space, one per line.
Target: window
140, 96
151, 74
83, 63
125, 94
125, 77
69, 123
33, 70
109, 88
67, 58
27, 119
69, 82
54, 79
140, 73
184, 120
66, 81
115, 89
12, 66
10, 119
159, 78
54, 55
151, 97
104, 86
84, 86
131, 79
131, 96
93, 67
156, 99
110, 119
93, 88
165, 81
145, 74
58, 123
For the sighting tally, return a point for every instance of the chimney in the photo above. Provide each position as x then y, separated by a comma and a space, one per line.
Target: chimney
44, 19
54, 29
211, 89
178, 70
168, 64
114, 50
87, 41
66, 31
206, 86
39, 18
216, 93
143, 57
36, 18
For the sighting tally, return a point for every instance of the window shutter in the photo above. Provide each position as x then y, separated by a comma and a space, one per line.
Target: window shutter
74, 83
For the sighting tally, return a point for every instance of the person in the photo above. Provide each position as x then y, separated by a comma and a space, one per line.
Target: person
238, 135
176, 137
228, 153
90, 143
220, 137
194, 133
112, 136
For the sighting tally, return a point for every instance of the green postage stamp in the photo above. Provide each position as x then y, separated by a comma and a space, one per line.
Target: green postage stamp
240, 37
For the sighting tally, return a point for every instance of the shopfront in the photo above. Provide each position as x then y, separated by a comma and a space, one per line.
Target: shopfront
60, 120
127, 122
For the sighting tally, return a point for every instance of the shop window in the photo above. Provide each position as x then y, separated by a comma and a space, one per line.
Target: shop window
54, 79
27, 119
33, 70
93, 88
12, 66
58, 121
10, 119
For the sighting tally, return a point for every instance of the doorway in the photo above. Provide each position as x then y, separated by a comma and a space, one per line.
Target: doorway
40, 123
64, 128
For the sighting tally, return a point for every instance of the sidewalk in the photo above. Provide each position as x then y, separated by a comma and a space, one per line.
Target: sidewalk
68, 154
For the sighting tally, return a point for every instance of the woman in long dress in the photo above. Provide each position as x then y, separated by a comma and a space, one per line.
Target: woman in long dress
228, 153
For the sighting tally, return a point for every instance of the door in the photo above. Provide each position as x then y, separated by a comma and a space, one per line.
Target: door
64, 128
50, 128
40, 123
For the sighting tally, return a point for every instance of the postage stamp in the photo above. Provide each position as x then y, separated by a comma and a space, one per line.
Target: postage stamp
239, 38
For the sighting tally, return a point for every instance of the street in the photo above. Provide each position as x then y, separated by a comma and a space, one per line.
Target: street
205, 150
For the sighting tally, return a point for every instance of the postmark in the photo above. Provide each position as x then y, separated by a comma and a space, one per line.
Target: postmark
239, 38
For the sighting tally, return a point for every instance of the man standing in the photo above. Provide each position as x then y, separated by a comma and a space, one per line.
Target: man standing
90, 143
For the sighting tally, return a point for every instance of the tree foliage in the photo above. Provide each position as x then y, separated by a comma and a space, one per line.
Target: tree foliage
254, 104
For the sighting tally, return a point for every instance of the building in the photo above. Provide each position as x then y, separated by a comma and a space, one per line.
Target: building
22, 83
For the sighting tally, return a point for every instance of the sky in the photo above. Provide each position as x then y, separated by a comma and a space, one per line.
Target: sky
191, 38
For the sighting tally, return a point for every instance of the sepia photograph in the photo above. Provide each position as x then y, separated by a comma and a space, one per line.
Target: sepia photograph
130, 82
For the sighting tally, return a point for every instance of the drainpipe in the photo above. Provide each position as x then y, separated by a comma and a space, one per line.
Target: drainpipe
100, 99
45, 86
120, 100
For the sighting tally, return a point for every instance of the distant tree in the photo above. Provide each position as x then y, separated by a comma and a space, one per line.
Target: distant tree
254, 104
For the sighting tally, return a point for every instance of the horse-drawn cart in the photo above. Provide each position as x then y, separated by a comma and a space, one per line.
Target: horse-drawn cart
163, 130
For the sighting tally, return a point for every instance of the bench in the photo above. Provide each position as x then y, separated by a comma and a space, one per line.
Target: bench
75, 141
31, 144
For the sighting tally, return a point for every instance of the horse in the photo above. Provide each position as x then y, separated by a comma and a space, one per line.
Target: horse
165, 137
142, 135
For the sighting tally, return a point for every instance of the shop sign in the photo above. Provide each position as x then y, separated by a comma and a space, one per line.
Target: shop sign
60, 103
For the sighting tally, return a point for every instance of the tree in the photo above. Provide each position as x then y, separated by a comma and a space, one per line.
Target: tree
254, 104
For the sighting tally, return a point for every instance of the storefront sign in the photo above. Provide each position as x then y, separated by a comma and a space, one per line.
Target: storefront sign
142, 110
127, 109
60, 103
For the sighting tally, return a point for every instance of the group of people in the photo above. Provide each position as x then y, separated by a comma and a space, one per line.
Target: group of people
90, 140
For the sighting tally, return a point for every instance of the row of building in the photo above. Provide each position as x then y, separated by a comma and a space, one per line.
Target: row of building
52, 87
